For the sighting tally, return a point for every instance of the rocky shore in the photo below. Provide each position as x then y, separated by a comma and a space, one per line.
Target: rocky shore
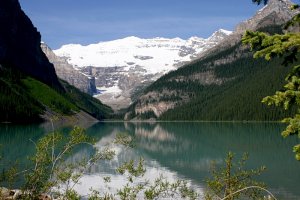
7, 194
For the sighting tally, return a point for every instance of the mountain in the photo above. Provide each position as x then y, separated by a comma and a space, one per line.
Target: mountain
29, 87
276, 12
19, 41
225, 83
123, 67
66, 72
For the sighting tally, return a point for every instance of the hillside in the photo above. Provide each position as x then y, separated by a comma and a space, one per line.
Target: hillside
234, 92
29, 86
226, 83
20, 45
236, 99
24, 99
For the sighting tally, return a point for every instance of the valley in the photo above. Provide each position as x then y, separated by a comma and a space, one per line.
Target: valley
165, 79
124, 67
153, 110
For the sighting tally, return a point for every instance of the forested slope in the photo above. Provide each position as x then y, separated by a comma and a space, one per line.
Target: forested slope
24, 99
225, 85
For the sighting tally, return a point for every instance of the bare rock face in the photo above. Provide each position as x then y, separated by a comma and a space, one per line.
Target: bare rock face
275, 12
157, 102
66, 72
20, 44
150, 102
122, 86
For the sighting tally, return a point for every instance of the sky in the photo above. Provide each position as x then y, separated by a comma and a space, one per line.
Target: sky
91, 21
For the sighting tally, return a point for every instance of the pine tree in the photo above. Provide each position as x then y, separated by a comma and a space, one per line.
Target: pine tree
287, 46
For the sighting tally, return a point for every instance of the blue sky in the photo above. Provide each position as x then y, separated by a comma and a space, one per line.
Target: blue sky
91, 21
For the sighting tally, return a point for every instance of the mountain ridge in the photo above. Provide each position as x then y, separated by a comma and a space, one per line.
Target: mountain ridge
30, 89
276, 12
123, 67
205, 89
16, 37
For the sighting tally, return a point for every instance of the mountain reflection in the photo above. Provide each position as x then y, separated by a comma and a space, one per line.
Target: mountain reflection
176, 150
186, 150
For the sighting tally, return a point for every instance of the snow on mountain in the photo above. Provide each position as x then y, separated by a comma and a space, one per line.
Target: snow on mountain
121, 66
154, 55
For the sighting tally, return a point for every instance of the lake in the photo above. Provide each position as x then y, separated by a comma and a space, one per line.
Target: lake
177, 150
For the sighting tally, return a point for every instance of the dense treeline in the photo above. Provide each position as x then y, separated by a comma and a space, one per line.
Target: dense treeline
244, 82
16, 104
239, 99
86, 102
24, 99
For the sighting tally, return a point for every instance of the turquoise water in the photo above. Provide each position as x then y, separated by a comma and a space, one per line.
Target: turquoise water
179, 150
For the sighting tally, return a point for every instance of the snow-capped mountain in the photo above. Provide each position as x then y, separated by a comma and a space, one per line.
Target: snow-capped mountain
123, 66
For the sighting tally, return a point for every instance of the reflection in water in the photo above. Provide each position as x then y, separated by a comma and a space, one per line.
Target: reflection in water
15, 142
94, 177
195, 145
185, 150
182, 151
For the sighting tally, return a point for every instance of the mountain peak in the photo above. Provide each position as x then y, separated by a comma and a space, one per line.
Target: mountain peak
132, 38
123, 66
224, 31
276, 12
219, 34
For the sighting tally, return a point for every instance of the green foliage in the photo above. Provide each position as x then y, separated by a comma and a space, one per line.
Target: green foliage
49, 97
86, 102
95, 195
50, 168
72, 195
160, 188
125, 139
137, 171
217, 102
130, 192
276, 45
16, 104
8, 177
286, 45
163, 188
52, 175
24, 99
233, 181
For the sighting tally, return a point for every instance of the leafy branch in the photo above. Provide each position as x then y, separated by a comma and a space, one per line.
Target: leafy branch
287, 46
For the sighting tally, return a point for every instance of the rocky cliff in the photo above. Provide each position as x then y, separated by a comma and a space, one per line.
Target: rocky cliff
20, 44
66, 72
29, 87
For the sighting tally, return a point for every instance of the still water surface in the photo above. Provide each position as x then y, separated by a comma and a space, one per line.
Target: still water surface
176, 150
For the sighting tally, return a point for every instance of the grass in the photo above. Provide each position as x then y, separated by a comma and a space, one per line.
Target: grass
49, 97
